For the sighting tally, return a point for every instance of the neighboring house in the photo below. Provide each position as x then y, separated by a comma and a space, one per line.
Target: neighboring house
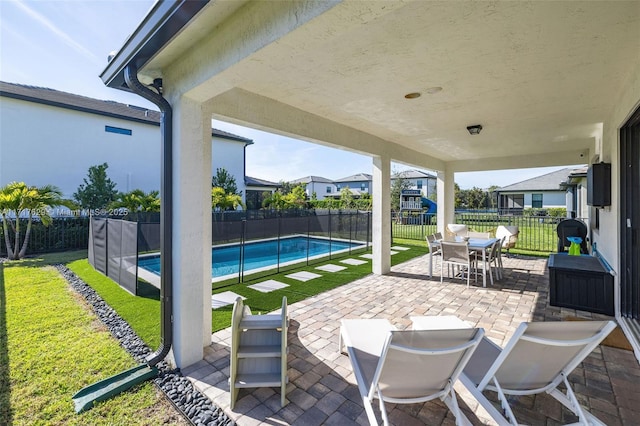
361, 183
322, 187
542, 192
53, 137
255, 191
576, 195
358, 184
419, 180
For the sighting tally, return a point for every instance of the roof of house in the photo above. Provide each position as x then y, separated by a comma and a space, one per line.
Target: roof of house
251, 181
356, 178
547, 182
57, 98
309, 179
413, 174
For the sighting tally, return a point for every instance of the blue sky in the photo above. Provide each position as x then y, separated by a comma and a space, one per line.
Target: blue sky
64, 45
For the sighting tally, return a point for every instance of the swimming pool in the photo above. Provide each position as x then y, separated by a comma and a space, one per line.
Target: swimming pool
260, 255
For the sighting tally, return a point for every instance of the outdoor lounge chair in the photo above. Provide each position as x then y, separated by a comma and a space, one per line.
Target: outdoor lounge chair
508, 235
407, 367
538, 357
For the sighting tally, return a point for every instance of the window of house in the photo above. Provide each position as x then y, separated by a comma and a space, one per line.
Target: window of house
328, 190
338, 186
363, 186
118, 130
419, 184
536, 201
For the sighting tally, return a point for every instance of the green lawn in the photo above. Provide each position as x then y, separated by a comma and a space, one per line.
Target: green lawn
297, 290
51, 346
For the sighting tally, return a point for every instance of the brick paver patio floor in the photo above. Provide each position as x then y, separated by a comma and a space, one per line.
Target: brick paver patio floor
322, 387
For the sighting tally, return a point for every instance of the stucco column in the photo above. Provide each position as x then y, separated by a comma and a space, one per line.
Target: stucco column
381, 216
191, 231
446, 199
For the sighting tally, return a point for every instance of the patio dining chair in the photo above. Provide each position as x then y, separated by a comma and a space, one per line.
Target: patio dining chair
433, 247
538, 358
407, 367
457, 255
492, 257
479, 235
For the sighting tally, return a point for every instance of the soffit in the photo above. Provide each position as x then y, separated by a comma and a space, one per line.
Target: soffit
541, 77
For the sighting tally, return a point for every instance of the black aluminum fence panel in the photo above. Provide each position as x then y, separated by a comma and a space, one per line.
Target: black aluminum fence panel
99, 244
226, 232
129, 257
148, 237
537, 233
64, 233
113, 251
260, 229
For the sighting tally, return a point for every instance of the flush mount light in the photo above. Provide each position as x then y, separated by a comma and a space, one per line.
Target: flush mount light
412, 95
475, 129
434, 90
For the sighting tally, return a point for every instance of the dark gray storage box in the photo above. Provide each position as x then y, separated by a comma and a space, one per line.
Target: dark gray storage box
580, 282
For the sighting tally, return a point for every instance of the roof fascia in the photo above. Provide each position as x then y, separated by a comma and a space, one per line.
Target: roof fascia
77, 108
163, 22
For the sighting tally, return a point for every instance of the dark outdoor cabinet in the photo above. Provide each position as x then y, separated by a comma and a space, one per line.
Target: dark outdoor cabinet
580, 282
599, 185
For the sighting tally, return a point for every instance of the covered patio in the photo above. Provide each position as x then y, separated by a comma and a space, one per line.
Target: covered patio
322, 387
551, 84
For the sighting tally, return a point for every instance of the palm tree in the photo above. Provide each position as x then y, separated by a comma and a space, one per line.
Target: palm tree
223, 200
138, 201
16, 199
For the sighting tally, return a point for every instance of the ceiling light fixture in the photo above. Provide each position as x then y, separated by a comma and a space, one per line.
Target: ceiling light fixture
412, 95
434, 90
475, 129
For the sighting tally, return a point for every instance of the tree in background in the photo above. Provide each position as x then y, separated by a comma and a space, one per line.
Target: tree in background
222, 200
472, 199
297, 198
274, 201
287, 187
97, 191
16, 199
138, 201
224, 180
346, 198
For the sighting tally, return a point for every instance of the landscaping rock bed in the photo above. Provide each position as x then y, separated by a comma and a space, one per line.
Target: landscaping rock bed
196, 407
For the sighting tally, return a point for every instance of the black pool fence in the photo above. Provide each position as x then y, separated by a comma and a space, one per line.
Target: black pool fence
62, 234
115, 244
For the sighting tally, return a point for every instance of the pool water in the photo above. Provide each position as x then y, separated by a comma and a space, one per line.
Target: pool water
260, 254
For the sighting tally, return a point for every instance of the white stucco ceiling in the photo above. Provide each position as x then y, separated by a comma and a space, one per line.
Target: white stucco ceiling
540, 77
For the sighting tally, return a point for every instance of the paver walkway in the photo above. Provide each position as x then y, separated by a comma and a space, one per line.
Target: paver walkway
322, 387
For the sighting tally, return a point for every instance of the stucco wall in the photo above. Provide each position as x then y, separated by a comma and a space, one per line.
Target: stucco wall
229, 155
607, 236
43, 144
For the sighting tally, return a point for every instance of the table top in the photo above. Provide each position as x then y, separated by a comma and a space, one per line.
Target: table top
475, 242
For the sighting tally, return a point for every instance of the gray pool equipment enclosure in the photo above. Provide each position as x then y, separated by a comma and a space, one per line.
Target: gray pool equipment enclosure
114, 244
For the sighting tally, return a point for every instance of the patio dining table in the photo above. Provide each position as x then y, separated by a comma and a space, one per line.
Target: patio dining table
476, 245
